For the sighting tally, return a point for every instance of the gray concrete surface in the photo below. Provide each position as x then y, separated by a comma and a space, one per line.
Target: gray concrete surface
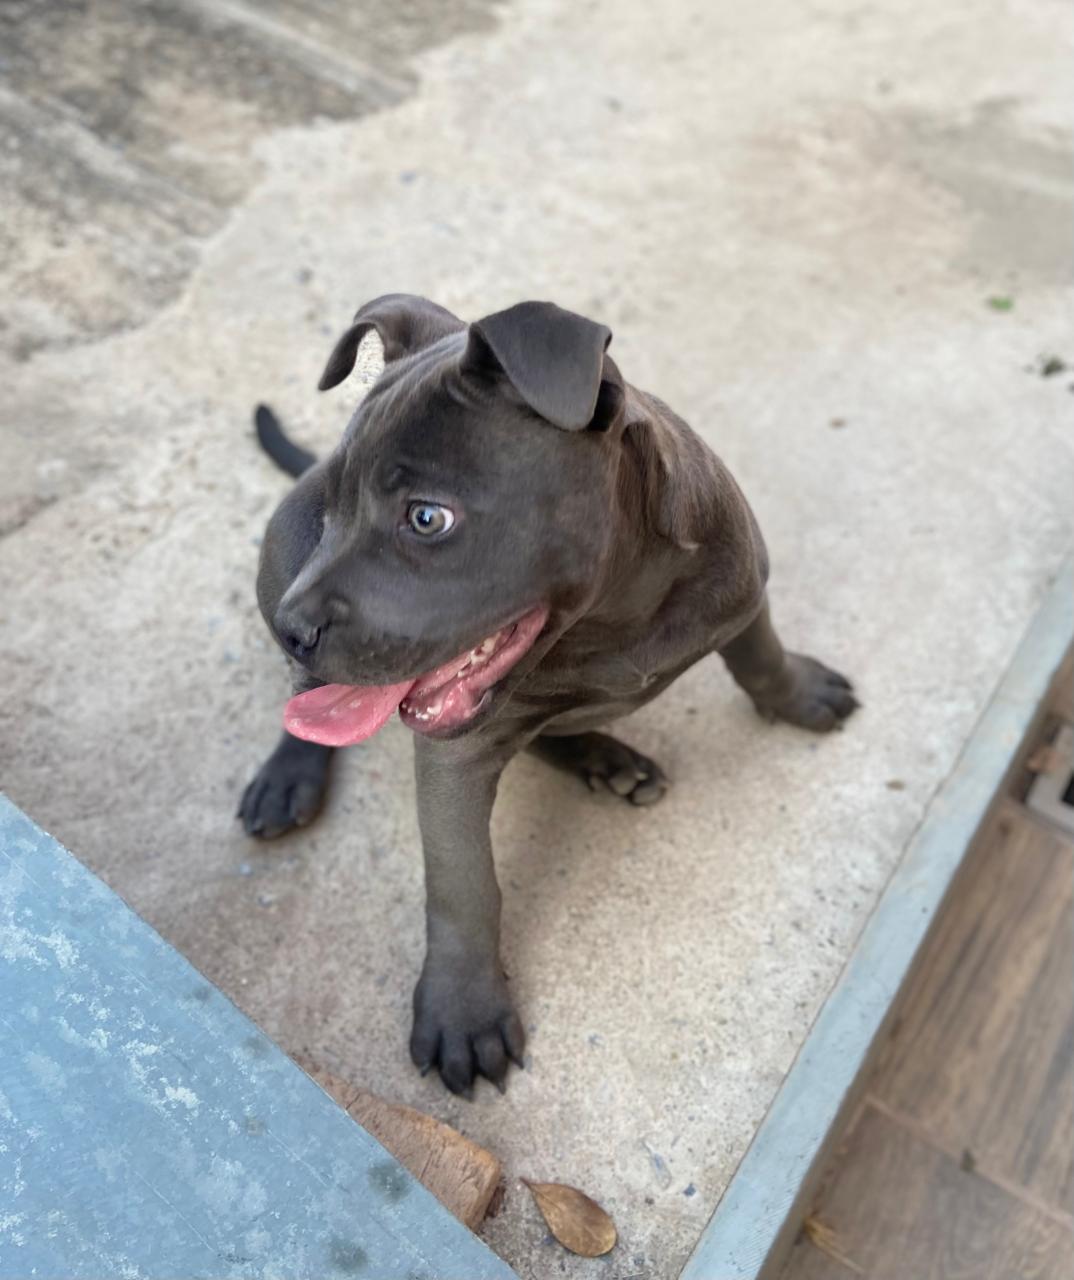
793, 218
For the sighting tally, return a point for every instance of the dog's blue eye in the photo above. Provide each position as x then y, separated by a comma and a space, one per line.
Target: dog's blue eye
429, 519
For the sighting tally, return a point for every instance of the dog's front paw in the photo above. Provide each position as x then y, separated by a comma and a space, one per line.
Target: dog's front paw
465, 1026
288, 790
811, 696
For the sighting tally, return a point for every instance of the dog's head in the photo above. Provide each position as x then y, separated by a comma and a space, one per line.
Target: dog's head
465, 515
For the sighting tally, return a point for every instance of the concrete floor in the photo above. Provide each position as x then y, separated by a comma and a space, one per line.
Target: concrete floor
793, 218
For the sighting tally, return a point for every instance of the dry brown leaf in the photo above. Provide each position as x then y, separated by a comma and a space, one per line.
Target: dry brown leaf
578, 1223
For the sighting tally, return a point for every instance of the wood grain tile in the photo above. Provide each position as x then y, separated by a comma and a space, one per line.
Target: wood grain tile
983, 1057
903, 1210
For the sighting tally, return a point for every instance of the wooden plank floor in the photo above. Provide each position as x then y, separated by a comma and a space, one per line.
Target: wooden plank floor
959, 1162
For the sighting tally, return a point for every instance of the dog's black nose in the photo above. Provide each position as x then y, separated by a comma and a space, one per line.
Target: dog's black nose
298, 635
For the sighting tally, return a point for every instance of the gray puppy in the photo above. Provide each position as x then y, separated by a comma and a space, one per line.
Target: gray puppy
511, 546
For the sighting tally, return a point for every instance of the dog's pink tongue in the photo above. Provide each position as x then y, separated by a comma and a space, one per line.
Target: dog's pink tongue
338, 715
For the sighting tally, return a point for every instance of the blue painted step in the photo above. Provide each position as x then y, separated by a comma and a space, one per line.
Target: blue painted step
149, 1131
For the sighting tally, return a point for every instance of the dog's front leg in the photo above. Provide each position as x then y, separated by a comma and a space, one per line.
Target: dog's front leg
464, 1022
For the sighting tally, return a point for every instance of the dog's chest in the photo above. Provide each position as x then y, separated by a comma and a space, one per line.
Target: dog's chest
608, 670
588, 689
605, 690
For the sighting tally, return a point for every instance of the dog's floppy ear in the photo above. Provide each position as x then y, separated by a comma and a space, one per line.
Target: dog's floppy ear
553, 358
405, 323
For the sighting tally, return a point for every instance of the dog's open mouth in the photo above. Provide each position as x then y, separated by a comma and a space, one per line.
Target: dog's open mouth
339, 715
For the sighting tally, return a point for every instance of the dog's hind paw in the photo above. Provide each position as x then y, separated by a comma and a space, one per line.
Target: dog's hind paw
605, 763
820, 699
288, 790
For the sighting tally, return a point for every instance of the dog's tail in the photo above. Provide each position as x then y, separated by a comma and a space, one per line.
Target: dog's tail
287, 455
